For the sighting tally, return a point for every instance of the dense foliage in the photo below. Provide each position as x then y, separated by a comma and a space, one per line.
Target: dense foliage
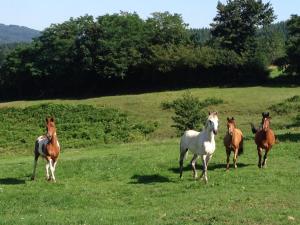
77, 125
293, 50
122, 52
237, 21
190, 112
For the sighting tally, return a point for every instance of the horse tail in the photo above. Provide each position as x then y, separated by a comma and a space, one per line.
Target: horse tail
253, 129
183, 151
182, 155
241, 147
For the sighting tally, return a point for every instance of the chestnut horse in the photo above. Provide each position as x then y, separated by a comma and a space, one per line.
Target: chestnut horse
233, 141
264, 139
48, 147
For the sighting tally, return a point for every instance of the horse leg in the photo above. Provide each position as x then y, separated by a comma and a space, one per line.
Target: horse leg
47, 170
54, 165
182, 155
236, 150
227, 160
36, 156
259, 151
51, 163
193, 162
264, 164
205, 159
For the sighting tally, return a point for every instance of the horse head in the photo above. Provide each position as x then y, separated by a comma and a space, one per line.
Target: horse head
264, 115
230, 125
266, 123
50, 127
213, 122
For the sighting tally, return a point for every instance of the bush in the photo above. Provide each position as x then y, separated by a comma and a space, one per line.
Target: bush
289, 105
189, 111
77, 125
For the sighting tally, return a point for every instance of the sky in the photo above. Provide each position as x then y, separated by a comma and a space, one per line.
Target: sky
39, 14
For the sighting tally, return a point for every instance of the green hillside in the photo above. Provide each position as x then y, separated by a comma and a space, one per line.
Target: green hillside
138, 182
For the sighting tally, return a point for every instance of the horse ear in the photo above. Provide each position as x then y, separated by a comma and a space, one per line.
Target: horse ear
209, 113
228, 119
47, 119
267, 114
52, 119
232, 118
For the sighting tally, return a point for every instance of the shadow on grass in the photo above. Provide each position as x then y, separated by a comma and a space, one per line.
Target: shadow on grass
288, 137
211, 166
11, 181
214, 166
149, 179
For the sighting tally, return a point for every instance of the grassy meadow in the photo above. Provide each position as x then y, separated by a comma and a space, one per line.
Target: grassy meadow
138, 182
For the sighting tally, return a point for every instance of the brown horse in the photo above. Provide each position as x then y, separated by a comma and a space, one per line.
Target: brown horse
48, 147
233, 141
264, 139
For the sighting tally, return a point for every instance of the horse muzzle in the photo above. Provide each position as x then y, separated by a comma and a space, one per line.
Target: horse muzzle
215, 132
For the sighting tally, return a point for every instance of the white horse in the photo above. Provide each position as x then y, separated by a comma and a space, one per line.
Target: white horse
200, 144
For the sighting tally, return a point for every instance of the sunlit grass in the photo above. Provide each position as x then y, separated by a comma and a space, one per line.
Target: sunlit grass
138, 183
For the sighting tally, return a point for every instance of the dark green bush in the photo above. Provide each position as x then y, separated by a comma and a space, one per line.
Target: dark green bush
77, 125
289, 105
189, 111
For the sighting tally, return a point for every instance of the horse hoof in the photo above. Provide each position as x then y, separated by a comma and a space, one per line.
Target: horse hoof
32, 178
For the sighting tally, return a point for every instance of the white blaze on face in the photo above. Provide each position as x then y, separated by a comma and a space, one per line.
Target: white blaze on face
215, 121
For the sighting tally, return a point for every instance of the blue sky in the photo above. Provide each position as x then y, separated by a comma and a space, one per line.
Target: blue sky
39, 14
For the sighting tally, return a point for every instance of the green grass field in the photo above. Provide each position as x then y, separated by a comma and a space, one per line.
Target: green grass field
138, 183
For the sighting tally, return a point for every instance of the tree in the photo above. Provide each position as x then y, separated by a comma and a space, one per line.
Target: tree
122, 43
293, 49
165, 28
237, 21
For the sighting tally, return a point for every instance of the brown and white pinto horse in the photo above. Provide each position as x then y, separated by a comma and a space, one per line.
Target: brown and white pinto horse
48, 147
233, 141
264, 139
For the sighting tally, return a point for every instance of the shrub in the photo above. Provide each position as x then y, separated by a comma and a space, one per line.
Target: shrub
289, 105
189, 111
77, 125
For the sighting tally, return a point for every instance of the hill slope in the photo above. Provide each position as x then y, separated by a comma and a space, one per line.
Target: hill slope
14, 33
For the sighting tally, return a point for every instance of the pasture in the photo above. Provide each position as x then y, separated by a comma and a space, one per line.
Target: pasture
138, 182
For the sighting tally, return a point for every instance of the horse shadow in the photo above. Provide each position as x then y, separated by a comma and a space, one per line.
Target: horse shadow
211, 166
295, 137
11, 181
149, 179
214, 166
185, 168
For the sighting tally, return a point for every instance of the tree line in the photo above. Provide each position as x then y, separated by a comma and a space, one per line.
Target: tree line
121, 51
